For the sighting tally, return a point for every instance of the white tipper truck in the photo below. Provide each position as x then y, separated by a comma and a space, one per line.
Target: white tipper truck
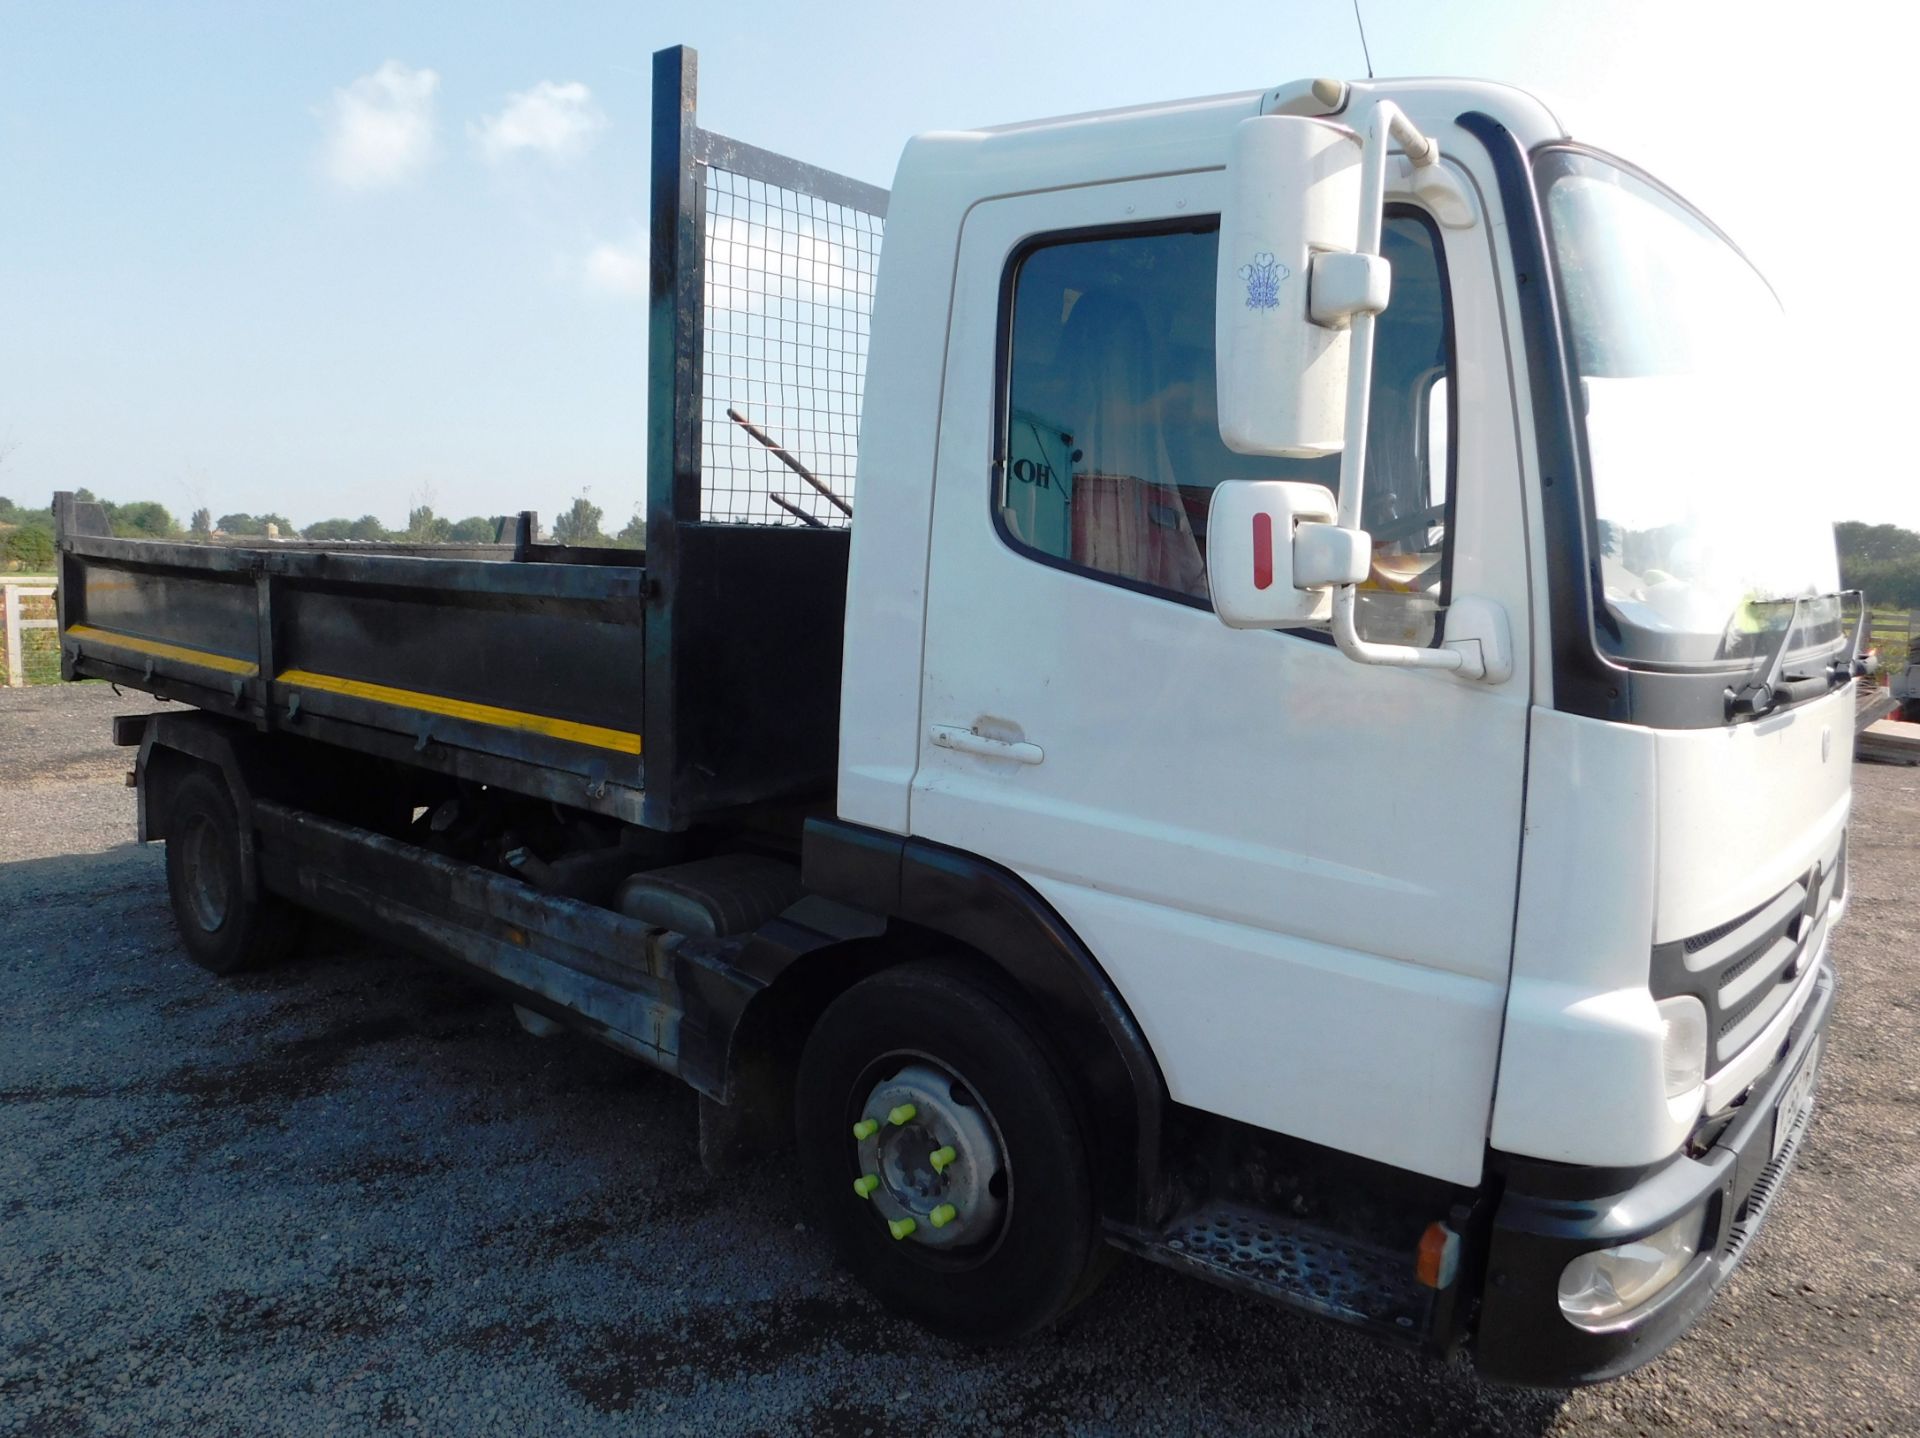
1322, 761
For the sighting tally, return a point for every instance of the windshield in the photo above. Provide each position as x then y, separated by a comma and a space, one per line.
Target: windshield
1707, 526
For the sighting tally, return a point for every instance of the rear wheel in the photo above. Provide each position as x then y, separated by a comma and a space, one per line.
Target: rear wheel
223, 929
941, 1153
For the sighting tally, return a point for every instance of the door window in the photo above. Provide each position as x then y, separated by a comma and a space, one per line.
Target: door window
1112, 440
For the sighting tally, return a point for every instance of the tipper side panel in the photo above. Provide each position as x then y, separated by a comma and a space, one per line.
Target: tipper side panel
522, 674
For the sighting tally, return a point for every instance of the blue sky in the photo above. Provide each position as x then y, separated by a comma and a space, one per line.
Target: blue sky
258, 257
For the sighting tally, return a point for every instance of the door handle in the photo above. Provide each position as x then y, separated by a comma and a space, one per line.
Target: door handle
965, 741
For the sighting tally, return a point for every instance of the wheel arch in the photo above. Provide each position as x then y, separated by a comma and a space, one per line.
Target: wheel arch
877, 899
176, 745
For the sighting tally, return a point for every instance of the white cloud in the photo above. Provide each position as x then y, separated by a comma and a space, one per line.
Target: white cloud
558, 121
380, 129
619, 270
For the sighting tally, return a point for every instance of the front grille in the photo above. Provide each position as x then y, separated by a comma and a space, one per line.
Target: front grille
1736, 1016
1745, 970
1700, 941
1740, 968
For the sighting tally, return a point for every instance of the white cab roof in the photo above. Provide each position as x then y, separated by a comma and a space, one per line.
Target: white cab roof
1183, 135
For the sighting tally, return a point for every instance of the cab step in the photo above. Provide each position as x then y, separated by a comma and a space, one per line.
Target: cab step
1296, 1263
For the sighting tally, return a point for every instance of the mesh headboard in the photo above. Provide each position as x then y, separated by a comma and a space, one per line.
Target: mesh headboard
763, 277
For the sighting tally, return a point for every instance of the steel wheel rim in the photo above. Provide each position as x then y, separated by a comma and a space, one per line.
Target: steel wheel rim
209, 889
894, 1159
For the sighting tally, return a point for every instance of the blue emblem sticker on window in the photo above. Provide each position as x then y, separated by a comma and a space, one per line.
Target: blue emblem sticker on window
1263, 279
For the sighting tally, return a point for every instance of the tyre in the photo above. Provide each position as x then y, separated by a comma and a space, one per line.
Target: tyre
941, 1154
224, 931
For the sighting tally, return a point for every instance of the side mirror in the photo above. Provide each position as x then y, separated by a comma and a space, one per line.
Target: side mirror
1274, 553
1305, 203
1293, 202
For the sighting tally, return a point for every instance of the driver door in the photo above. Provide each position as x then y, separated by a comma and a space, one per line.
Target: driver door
1298, 871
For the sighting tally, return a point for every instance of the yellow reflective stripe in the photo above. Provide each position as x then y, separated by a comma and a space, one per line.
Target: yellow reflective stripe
599, 738
226, 664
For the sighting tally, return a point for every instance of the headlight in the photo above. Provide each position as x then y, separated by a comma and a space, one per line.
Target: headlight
1683, 1045
1596, 1289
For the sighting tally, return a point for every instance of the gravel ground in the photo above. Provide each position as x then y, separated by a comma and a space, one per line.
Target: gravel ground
351, 1194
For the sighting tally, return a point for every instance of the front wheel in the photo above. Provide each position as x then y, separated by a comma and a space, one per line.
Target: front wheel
941, 1153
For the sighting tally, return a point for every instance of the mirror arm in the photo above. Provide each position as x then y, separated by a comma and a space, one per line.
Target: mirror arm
1373, 192
1346, 635
1386, 123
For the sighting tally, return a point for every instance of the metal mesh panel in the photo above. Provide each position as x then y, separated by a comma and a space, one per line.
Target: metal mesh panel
788, 297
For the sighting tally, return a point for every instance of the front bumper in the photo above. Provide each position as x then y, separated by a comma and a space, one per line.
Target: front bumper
1549, 1215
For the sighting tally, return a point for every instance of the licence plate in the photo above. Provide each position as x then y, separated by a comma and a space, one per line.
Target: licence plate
1798, 1095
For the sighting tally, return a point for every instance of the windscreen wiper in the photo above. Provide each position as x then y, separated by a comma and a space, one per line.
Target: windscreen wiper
1759, 698
1763, 697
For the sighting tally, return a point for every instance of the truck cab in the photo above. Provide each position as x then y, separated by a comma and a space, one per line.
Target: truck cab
1237, 680
1552, 927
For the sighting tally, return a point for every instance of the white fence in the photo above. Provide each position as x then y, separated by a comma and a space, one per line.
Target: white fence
15, 588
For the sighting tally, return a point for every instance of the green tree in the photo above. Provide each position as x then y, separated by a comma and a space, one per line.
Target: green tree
240, 524
201, 525
143, 519
30, 547
634, 535
330, 529
1882, 559
1876, 543
1893, 583
425, 527
471, 530
367, 527
282, 526
579, 525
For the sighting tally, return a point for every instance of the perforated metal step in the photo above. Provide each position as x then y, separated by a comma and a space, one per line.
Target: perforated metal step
1295, 1263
